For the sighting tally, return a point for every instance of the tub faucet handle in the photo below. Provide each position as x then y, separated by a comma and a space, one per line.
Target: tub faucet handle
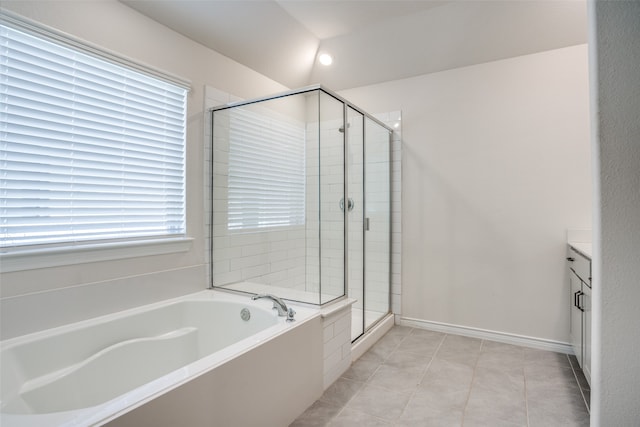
290, 313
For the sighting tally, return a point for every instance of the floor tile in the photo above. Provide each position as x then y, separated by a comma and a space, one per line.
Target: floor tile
494, 408
498, 396
443, 373
362, 369
407, 360
509, 361
488, 420
397, 379
443, 396
460, 343
562, 391
341, 391
546, 375
385, 346
317, 415
402, 331
554, 410
546, 358
419, 414
424, 344
459, 349
426, 334
379, 402
352, 418
499, 381
502, 348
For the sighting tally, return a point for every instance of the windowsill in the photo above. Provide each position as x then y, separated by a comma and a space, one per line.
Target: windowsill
32, 259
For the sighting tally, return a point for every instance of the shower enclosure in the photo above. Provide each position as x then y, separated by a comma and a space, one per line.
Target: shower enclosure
301, 202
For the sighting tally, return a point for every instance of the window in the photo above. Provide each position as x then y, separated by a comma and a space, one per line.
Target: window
91, 149
266, 171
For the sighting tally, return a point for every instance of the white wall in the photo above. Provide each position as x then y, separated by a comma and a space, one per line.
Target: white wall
496, 168
615, 64
46, 297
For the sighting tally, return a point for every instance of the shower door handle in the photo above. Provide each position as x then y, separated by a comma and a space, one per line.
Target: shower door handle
366, 224
349, 204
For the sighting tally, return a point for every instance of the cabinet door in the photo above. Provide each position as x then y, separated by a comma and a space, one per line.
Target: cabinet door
576, 317
586, 332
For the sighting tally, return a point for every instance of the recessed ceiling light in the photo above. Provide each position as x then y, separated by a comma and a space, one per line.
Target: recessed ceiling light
325, 59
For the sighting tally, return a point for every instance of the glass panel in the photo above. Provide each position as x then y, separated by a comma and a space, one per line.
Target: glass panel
265, 198
378, 217
355, 218
332, 217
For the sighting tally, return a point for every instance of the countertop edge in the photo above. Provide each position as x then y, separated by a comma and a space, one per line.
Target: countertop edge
584, 249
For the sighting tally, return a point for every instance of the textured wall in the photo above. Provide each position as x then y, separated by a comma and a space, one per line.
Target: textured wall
615, 67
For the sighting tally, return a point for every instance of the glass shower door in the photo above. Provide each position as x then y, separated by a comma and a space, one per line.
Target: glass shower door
377, 222
369, 216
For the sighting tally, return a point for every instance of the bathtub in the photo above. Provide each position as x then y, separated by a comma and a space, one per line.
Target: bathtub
188, 361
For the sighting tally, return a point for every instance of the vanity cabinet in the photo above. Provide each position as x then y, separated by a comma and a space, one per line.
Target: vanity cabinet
579, 270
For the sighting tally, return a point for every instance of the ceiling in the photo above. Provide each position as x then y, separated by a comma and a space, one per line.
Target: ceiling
371, 41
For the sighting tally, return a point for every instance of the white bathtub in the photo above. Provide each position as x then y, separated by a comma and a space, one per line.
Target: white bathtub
188, 361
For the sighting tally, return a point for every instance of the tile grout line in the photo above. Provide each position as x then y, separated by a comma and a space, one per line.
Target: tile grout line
422, 377
473, 379
423, 373
347, 402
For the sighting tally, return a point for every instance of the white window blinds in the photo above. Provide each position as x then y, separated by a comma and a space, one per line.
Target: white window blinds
266, 171
90, 149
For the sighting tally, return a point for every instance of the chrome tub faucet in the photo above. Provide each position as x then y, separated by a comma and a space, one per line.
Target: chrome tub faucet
279, 305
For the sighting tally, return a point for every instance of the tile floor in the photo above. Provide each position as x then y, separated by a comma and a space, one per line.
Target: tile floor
413, 377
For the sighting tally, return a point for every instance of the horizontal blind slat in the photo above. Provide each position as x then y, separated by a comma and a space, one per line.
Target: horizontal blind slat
266, 171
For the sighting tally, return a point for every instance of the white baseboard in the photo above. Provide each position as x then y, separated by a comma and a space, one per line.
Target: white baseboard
522, 340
